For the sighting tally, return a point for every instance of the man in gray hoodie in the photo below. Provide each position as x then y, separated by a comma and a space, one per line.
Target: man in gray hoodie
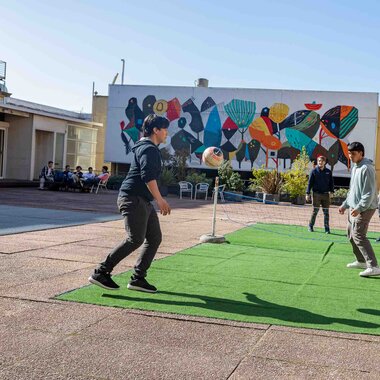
362, 203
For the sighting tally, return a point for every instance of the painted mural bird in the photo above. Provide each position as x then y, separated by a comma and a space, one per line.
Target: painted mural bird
305, 121
130, 133
148, 104
183, 140
196, 123
337, 123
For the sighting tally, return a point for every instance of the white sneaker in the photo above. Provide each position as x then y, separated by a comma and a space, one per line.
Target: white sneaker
357, 265
371, 271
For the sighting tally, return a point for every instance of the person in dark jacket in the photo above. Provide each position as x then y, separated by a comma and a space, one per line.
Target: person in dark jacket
322, 184
137, 191
46, 175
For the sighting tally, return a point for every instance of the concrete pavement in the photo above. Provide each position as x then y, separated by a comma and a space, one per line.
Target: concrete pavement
42, 338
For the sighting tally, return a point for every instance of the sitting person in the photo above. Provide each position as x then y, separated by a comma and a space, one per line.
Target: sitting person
77, 175
90, 175
47, 175
104, 175
88, 179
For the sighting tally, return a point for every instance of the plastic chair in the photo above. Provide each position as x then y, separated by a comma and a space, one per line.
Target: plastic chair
220, 192
185, 187
101, 184
201, 188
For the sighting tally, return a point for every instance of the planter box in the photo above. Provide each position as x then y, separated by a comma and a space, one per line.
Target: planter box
233, 196
173, 189
285, 197
299, 200
337, 201
164, 190
271, 197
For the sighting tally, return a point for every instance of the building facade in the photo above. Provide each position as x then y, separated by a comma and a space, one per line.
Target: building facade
32, 134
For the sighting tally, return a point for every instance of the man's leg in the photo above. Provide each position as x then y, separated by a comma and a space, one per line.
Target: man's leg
152, 241
42, 183
316, 204
135, 211
359, 237
325, 201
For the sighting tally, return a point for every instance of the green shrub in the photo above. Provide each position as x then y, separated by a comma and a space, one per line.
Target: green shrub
115, 181
228, 177
167, 177
268, 181
296, 178
340, 193
195, 177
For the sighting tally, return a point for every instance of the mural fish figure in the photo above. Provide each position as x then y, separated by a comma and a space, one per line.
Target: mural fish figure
339, 121
304, 120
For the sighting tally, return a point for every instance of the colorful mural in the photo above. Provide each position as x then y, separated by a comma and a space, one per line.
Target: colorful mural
271, 135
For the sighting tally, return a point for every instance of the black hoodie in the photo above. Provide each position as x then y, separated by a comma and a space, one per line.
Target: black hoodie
145, 167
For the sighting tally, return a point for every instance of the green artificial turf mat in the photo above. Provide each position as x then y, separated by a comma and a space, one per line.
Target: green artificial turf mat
261, 276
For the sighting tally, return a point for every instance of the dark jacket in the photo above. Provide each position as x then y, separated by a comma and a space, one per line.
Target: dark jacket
145, 167
320, 181
44, 172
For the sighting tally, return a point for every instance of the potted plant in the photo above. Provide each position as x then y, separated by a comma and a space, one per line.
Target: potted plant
339, 196
296, 178
167, 178
232, 180
270, 182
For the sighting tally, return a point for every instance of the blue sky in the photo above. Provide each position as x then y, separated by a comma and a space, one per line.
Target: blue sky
55, 50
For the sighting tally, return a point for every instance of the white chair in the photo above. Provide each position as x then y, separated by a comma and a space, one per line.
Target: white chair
185, 187
201, 188
220, 192
101, 184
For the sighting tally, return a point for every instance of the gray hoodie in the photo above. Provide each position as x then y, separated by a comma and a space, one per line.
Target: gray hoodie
362, 195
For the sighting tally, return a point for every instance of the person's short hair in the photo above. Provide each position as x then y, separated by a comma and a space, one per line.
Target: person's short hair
105, 168
356, 146
67, 167
50, 162
78, 167
89, 168
322, 156
153, 121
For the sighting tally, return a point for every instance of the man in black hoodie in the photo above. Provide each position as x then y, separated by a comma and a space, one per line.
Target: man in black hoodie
141, 222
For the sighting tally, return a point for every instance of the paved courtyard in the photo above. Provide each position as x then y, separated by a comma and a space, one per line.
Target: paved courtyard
42, 338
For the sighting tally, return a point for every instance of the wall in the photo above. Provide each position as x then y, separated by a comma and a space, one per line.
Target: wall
252, 127
99, 115
20, 134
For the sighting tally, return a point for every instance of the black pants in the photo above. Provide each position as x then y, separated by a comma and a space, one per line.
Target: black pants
143, 228
318, 201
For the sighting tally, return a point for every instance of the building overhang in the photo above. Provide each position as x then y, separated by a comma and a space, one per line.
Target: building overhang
25, 112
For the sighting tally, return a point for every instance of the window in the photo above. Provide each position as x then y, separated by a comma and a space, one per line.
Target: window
81, 146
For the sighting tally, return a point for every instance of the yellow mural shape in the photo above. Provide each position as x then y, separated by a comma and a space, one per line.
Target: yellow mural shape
160, 107
278, 112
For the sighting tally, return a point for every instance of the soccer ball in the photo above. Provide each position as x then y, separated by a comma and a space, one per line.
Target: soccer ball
212, 157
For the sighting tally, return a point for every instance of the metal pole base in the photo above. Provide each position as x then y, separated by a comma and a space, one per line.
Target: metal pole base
209, 238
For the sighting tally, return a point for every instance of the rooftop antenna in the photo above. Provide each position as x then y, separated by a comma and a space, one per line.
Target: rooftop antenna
114, 79
122, 71
3, 73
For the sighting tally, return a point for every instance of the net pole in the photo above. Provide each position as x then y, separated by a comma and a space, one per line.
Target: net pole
215, 203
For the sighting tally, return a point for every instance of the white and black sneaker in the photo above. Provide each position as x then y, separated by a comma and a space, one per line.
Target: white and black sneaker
104, 280
142, 285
